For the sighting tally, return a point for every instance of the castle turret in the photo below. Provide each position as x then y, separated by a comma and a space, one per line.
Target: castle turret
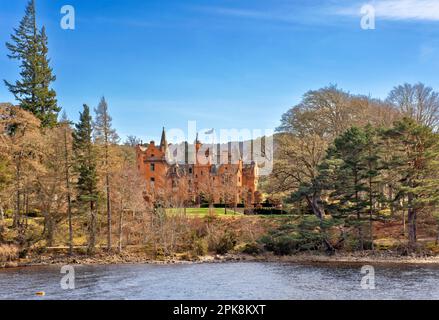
163, 142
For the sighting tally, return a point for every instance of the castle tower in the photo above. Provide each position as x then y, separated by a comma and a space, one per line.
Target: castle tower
198, 146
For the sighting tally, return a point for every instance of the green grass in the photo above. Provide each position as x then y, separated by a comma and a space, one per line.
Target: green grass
202, 212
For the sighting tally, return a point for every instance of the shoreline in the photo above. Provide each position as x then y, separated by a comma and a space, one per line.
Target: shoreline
301, 258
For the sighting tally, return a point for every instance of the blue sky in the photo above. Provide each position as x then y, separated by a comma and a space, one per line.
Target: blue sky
226, 64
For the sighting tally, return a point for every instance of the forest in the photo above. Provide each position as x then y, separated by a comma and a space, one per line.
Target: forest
356, 163
352, 173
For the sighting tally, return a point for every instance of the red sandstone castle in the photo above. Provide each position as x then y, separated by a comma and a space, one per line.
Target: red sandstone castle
204, 175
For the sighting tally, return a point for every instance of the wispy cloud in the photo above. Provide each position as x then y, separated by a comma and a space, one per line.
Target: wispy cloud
241, 13
292, 13
398, 9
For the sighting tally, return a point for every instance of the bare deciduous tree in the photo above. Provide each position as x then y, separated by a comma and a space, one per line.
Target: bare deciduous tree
418, 102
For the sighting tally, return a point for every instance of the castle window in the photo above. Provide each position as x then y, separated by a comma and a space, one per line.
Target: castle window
190, 170
201, 172
152, 182
152, 167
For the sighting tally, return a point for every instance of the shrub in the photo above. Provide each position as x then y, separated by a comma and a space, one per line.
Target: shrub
9, 213
225, 243
281, 245
289, 238
8, 253
252, 248
199, 229
34, 214
159, 253
199, 247
2, 230
269, 211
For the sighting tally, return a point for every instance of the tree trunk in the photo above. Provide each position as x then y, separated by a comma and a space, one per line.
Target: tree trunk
120, 229
107, 181
371, 230
403, 223
357, 199
318, 211
392, 203
92, 230
24, 216
69, 196
371, 213
315, 207
16, 221
411, 216
49, 226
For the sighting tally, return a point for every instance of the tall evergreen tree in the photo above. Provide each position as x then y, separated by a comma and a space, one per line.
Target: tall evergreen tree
350, 170
85, 161
67, 146
415, 159
373, 163
105, 136
30, 46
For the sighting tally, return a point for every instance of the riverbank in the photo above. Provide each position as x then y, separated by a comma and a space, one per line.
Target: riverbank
366, 257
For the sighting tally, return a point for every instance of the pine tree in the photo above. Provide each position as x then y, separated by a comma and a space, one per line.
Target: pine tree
373, 163
415, 159
350, 170
105, 136
67, 145
85, 161
30, 46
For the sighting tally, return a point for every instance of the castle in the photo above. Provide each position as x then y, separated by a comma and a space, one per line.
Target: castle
205, 175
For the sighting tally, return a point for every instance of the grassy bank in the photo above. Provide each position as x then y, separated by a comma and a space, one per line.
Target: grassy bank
198, 236
203, 212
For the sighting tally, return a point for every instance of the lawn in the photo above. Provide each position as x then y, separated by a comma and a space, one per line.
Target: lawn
202, 212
